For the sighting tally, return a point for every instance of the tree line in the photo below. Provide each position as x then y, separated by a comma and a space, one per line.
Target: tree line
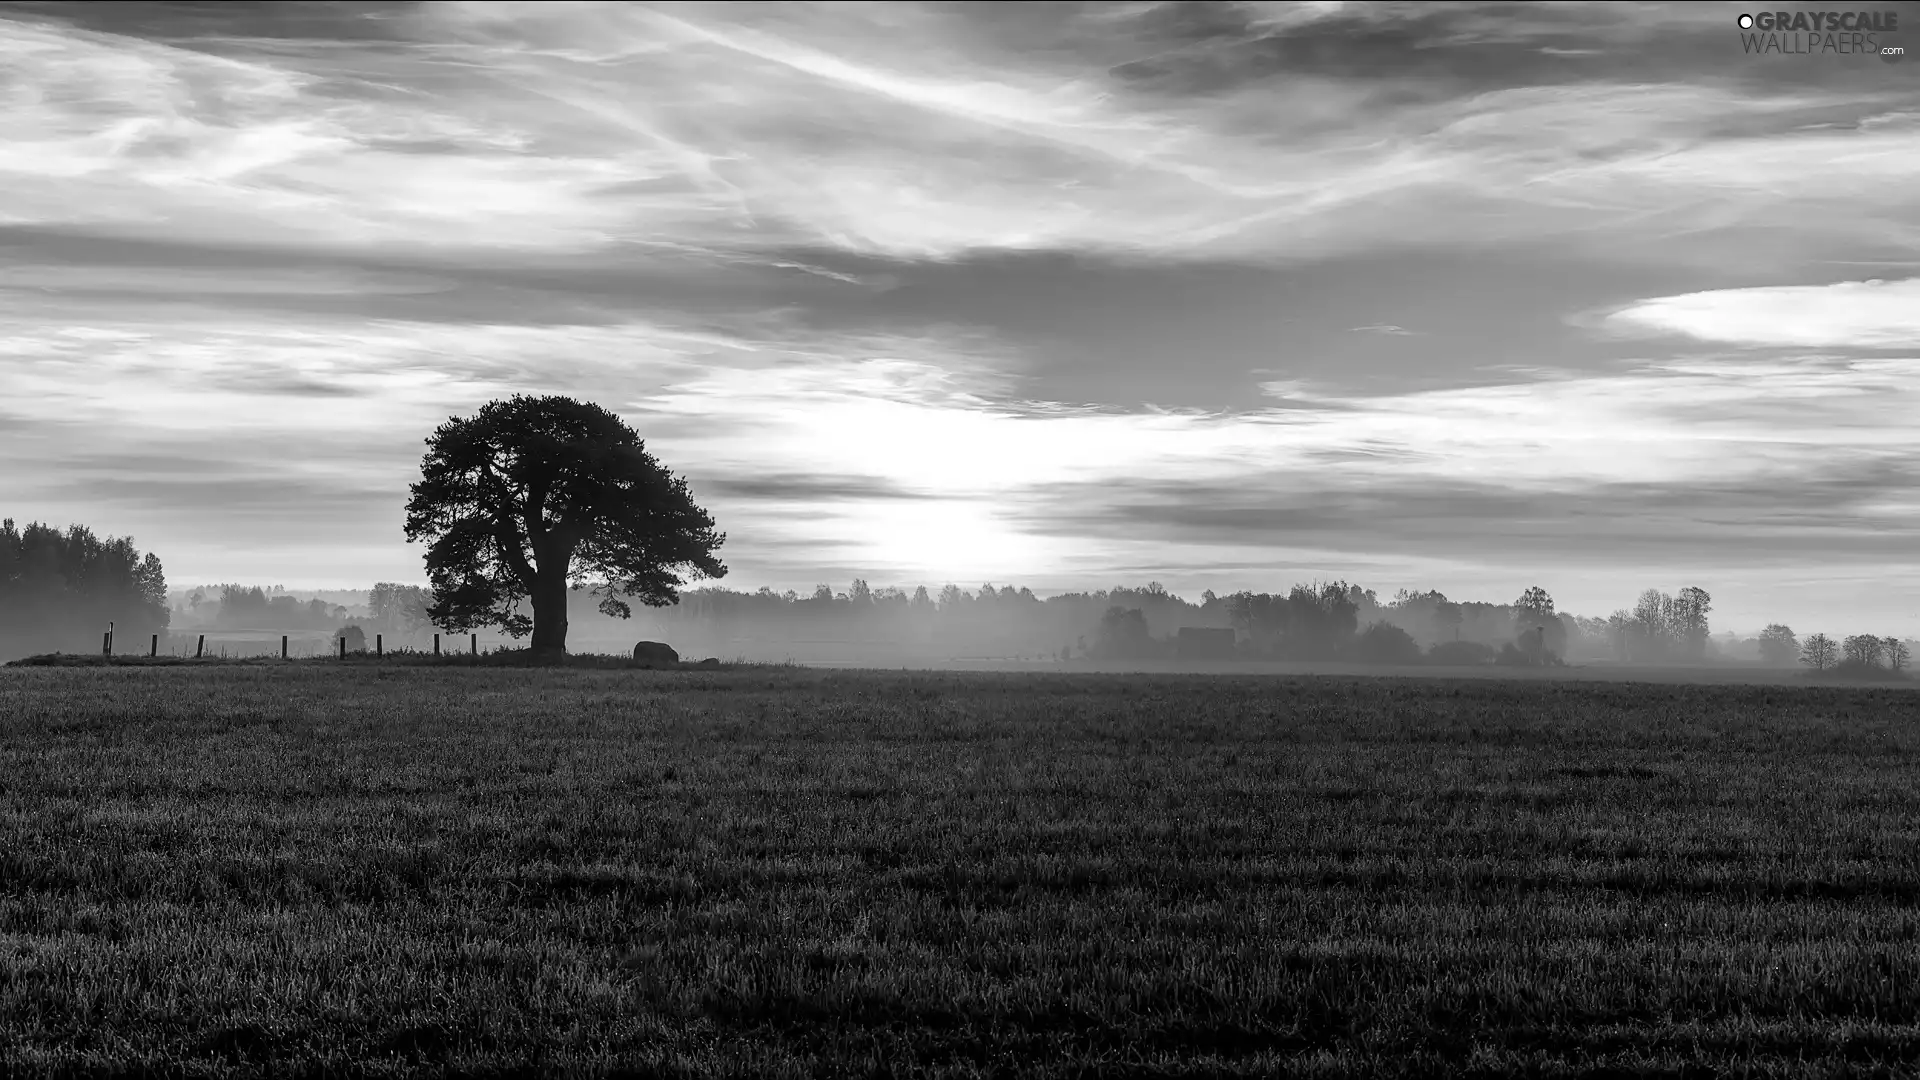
540, 513
60, 590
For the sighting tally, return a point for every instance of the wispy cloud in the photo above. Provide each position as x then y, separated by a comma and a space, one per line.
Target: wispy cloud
1870, 314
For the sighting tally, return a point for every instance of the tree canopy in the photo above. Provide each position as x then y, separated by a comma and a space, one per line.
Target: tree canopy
59, 590
534, 496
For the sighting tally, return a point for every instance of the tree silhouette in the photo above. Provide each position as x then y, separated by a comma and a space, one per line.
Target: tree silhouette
1818, 652
1536, 626
60, 590
1691, 608
1778, 646
534, 496
1123, 634
1862, 651
1897, 653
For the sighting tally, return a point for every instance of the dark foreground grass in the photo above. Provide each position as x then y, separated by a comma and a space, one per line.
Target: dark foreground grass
387, 869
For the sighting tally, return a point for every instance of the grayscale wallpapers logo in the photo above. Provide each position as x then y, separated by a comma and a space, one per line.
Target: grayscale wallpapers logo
1822, 33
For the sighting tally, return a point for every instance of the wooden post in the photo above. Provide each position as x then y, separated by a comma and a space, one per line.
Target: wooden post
201, 647
476, 644
343, 648
436, 644
155, 650
283, 646
106, 643
379, 645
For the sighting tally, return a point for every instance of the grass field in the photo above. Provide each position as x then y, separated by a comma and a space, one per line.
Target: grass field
378, 868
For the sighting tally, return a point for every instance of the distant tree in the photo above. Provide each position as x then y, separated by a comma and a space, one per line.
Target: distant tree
859, 595
1620, 634
383, 605
1385, 643
1897, 652
60, 590
1818, 652
1535, 602
921, 601
1123, 634
415, 609
1447, 618
398, 608
1650, 633
1691, 608
355, 637
533, 497
952, 597
1778, 646
1535, 625
1862, 651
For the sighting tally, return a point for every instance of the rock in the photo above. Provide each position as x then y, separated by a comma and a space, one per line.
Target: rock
655, 654
711, 661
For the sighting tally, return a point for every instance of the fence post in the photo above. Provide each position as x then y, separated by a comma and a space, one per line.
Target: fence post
155, 649
379, 645
201, 647
476, 644
106, 643
436, 644
283, 646
109, 638
343, 648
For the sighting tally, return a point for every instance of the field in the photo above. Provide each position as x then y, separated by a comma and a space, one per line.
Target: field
383, 868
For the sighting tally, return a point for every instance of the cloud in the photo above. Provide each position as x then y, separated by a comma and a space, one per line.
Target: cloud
804, 488
1038, 290
927, 133
1871, 314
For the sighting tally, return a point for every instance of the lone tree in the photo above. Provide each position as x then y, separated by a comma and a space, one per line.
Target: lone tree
534, 496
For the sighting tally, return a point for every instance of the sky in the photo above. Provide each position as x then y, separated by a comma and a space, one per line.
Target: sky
1455, 296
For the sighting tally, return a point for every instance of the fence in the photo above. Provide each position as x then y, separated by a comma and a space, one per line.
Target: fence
286, 653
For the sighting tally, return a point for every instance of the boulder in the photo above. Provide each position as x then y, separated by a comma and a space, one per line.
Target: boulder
655, 654
711, 661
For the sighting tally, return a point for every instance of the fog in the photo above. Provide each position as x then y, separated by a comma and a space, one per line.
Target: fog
63, 591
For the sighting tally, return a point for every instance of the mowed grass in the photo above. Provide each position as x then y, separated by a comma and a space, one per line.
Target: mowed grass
383, 870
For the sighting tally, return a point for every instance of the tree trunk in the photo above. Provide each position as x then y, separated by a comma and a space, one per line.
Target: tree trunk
549, 597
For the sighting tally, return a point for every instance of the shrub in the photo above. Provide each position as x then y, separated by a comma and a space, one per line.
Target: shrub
1385, 643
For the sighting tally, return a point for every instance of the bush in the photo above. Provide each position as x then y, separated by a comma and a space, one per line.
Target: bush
1460, 653
356, 638
1385, 643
